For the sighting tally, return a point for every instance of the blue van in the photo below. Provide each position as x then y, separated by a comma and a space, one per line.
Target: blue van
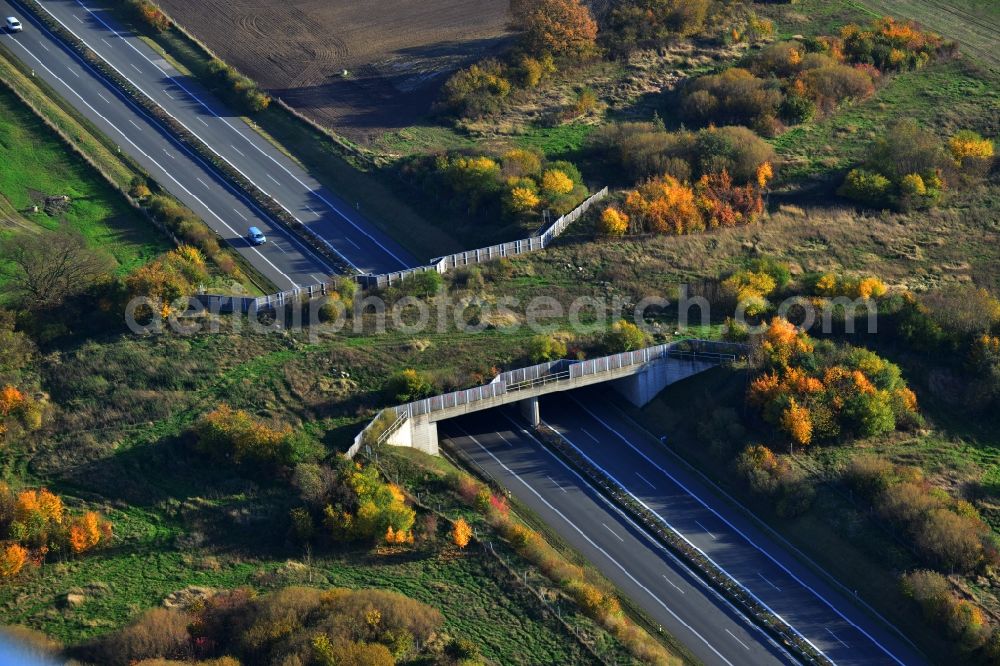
256, 237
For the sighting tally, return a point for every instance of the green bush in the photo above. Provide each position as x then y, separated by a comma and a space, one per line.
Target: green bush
867, 187
408, 385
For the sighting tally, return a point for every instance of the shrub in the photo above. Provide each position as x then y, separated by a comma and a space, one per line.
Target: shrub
233, 434
543, 348
521, 163
866, 187
967, 144
724, 205
613, 222
148, 13
422, 284
478, 91
556, 183
408, 385
664, 205
907, 148
780, 59
732, 97
797, 109
461, 533
559, 27
736, 150
158, 632
832, 84
633, 24
750, 289
13, 557
625, 336
889, 45
535, 70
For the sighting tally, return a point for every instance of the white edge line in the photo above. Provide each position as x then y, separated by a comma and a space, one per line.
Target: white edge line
748, 539
288, 233
594, 544
312, 190
688, 541
150, 158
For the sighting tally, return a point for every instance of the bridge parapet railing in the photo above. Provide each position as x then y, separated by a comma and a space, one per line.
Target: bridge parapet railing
562, 370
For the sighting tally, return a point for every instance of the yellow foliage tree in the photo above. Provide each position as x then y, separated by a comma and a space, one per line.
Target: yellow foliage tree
613, 222
764, 174
870, 287
967, 143
523, 199
797, 422
461, 533
12, 559
556, 183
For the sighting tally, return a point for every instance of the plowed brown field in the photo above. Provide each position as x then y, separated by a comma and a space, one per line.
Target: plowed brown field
397, 52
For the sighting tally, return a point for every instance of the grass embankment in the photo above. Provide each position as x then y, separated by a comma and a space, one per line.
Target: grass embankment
947, 96
839, 535
39, 163
116, 438
51, 149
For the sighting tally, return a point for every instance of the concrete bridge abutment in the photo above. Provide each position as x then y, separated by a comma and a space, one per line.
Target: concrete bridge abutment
643, 386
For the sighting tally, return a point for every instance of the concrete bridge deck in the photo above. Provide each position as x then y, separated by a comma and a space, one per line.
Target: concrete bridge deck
638, 375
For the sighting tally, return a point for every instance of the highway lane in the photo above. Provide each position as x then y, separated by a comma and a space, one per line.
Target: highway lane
820, 614
284, 259
642, 569
339, 224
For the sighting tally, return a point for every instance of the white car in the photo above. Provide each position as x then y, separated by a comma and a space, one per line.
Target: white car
13, 25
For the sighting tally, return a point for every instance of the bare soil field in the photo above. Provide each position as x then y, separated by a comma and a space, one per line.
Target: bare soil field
397, 53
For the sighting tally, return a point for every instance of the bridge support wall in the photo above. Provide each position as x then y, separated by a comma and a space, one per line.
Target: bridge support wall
529, 410
421, 434
642, 387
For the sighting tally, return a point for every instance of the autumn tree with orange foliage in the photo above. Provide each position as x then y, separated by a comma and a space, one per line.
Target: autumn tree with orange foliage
87, 531
34, 523
236, 435
723, 204
664, 205
796, 421
559, 27
461, 533
814, 392
12, 559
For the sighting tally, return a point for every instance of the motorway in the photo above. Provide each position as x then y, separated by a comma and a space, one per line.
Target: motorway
334, 222
284, 260
820, 614
642, 569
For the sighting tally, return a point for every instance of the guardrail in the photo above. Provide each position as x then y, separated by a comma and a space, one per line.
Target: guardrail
730, 588
250, 304
566, 370
363, 437
484, 254
542, 373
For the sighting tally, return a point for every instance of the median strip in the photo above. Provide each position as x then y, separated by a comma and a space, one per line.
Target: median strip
712, 574
246, 187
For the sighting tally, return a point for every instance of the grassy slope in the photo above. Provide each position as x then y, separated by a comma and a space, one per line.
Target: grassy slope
115, 441
947, 96
837, 534
37, 163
